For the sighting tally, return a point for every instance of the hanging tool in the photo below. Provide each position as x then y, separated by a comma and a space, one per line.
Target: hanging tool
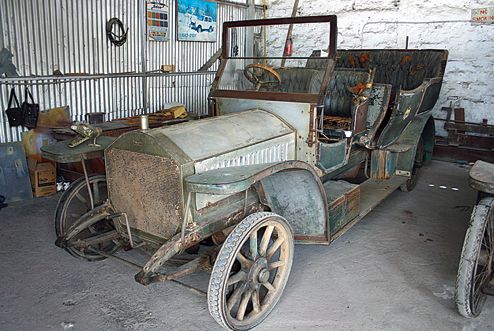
264, 7
289, 41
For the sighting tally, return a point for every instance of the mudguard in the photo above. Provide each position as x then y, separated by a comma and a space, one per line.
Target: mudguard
291, 189
410, 104
421, 126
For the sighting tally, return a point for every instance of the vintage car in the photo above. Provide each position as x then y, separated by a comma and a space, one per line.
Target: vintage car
292, 153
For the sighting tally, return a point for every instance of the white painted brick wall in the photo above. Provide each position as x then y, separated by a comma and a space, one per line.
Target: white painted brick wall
442, 24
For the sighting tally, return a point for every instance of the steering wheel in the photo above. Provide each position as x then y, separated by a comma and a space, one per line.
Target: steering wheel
254, 72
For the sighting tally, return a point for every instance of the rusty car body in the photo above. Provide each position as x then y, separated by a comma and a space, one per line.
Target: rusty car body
293, 153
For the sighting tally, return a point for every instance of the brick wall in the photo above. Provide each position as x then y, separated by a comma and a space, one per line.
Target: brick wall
442, 24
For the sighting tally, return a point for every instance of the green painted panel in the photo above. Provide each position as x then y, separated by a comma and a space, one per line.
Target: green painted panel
341, 210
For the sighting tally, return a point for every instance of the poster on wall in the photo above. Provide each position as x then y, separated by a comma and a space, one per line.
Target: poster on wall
196, 20
157, 21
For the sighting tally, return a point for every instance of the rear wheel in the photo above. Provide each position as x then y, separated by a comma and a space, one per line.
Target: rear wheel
476, 263
251, 271
417, 164
74, 203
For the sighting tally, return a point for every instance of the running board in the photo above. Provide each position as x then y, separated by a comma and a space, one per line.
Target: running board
372, 193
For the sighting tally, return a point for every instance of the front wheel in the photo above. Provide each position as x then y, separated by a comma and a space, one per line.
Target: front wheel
73, 204
251, 271
476, 262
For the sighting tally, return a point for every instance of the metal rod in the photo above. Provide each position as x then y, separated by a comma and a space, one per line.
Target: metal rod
130, 232
87, 64
128, 229
142, 25
186, 216
137, 266
127, 262
461, 122
245, 202
275, 58
54, 54
77, 77
231, 3
86, 177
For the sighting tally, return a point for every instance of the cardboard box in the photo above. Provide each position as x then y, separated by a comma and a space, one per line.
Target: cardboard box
43, 177
167, 68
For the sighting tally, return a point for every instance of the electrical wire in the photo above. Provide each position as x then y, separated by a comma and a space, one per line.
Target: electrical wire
117, 39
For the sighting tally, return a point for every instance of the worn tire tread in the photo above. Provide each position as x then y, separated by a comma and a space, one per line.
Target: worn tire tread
469, 253
221, 268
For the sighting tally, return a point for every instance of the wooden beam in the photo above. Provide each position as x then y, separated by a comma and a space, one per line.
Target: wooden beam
289, 33
209, 63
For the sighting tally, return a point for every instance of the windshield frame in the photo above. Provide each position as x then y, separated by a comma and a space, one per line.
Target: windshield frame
269, 95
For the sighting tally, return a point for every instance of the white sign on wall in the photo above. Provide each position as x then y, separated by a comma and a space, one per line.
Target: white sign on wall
483, 15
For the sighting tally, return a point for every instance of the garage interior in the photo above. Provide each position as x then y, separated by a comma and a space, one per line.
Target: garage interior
350, 141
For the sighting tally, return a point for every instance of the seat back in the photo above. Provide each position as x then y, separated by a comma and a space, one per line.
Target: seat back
298, 80
405, 69
339, 98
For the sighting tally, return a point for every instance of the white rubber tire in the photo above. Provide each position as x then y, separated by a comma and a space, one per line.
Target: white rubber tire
225, 260
481, 215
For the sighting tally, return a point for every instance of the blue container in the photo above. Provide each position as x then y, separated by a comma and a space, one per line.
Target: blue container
14, 174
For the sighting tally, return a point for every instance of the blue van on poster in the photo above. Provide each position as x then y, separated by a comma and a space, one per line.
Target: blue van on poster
196, 20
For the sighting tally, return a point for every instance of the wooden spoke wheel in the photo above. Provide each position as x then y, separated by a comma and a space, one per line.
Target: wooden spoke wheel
476, 267
251, 271
74, 203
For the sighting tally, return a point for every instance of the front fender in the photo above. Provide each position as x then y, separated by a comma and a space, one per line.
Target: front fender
291, 189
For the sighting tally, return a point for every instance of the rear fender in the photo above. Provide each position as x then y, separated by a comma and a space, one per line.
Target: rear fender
410, 105
428, 137
421, 126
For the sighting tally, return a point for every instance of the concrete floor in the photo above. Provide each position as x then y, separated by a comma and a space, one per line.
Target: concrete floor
395, 270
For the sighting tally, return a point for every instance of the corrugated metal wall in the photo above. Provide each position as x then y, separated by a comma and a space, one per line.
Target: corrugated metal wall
69, 36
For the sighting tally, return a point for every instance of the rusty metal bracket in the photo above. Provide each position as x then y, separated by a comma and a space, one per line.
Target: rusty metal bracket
200, 263
187, 224
94, 240
88, 219
135, 265
403, 173
176, 244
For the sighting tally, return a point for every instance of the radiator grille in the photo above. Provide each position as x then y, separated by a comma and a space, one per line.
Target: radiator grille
148, 189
